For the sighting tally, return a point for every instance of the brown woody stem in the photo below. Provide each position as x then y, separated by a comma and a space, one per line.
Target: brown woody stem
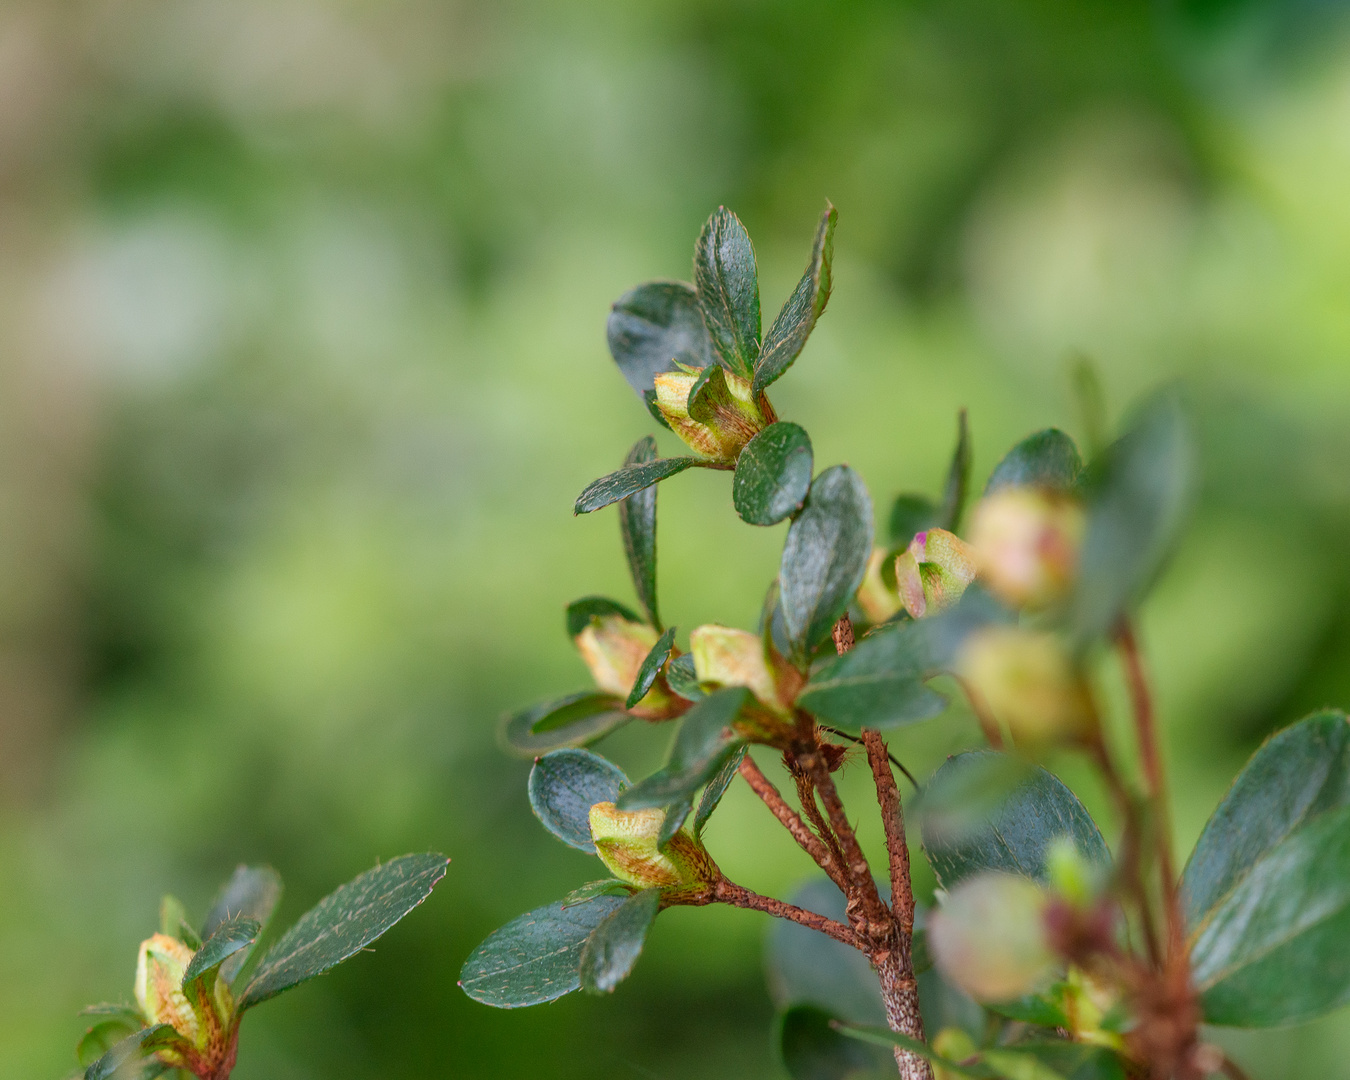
728, 892
893, 820
801, 832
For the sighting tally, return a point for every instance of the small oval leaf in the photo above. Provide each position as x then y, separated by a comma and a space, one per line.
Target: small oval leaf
727, 281
637, 526
651, 667
564, 785
773, 474
573, 720
787, 336
629, 480
653, 326
615, 944
704, 742
1048, 459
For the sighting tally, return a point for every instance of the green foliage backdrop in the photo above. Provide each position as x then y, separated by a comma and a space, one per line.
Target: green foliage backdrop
303, 311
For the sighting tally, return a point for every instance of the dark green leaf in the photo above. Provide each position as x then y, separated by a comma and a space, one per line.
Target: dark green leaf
825, 558
1048, 459
564, 785
253, 892
654, 326
637, 526
227, 940
911, 515
788, 334
536, 957
614, 945
879, 683
134, 1047
581, 612
1267, 890
683, 679
651, 667
958, 478
630, 480
773, 474
649, 399
343, 923
570, 721
676, 813
727, 281
102, 1037
1137, 496
1012, 836
709, 393
704, 743
811, 1048
717, 787
593, 889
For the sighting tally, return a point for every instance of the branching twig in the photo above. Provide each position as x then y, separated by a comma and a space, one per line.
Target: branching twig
893, 819
728, 892
801, 832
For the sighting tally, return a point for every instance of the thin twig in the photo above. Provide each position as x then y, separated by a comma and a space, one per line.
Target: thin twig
893, 819
855, 861
806, 795
728, 892
801, 832
854, 739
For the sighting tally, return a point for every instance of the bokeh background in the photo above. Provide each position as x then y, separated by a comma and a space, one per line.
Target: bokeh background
302, 313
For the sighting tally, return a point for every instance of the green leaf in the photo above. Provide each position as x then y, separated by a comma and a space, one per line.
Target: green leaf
131, 1049
704, 743
227, 940
880, 1036
654, 326
593, 889
651, 667
615, 944
717, 787
786, 337
1013, 835
343, 923
536, 957
709, 392
878, 684
637, 526
630, 480
173, 922
569, 721
1048, 459
676, 814
911, 515
727, 281
682, 678
812, 1048
1137, 496
102, 1037
773, 474
958, 478
253, 892
824, 558
1267, 889
649, 399
581, 612
564, 785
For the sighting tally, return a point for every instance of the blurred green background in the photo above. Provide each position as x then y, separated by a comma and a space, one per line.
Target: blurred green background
302, 310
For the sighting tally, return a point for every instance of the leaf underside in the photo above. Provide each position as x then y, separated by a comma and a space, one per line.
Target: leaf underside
563, 787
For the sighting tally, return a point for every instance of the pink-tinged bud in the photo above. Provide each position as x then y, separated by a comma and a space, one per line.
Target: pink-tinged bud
725, 416
1028, 682
614, 649
877, 599
728, 657
1026, 543
627, 842
933, 572
988, 937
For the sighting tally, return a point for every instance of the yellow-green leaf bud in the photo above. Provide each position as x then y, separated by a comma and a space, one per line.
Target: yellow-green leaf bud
933, 572
614, 649
1026, 543
627, 843
722, 418
877, 599
1029, 682
160, 967
988, 937
726, 656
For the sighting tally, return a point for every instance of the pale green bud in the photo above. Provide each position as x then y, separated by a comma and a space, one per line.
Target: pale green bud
1026, 543
933, 572
726, 656
627, 842
1029, 682
204, 1020
954, 1044
725, 416
988, 937
614, 649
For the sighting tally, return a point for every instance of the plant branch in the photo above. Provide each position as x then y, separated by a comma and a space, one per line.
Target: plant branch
854, 739
801, 832
728, 892
893, 819
806, 795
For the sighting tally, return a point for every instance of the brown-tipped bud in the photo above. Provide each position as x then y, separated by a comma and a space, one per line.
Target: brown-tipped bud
877, 599
933, 572
723, 415
614, 649
1026, 543
1030, 683
627, 842
988, 937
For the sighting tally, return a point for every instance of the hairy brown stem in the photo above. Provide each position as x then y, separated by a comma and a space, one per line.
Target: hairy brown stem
728, 892
801, 832
806, 795
893, 820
